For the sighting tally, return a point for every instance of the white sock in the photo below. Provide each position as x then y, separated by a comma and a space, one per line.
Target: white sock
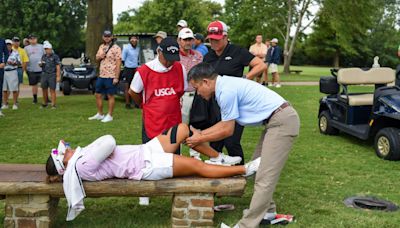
218, 158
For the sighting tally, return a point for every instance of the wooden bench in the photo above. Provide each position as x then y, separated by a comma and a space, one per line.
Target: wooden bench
30, 202
295, 71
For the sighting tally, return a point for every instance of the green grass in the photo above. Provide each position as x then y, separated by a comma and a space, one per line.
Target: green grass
309, 74
320, 173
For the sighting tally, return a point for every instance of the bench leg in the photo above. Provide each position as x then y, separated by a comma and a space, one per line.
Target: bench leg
33, 211
192, 210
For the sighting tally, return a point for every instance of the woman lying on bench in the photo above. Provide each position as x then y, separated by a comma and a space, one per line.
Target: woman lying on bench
103, 159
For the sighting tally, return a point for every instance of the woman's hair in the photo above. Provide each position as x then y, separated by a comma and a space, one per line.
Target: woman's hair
50, 167
51, 171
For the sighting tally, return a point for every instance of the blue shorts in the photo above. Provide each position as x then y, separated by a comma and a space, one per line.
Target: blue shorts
105, 86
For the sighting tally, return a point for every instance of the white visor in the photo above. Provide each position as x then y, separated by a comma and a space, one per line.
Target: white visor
58, 157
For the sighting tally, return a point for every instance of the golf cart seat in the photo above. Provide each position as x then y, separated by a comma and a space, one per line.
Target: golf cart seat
356, 76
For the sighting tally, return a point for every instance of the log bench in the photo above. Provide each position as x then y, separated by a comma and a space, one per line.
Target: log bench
30, 202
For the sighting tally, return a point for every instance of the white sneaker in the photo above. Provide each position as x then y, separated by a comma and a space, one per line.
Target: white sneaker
267, 216
106, 119
4, 106
1, 114
270, 215
223, 159
144, 201
252, 167
15, 107
194, 154
271, 85
278, 86
223, 225
96, 117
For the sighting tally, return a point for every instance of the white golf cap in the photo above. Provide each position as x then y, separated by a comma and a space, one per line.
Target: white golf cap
186, 33
47, 45
182, 23
8, 41
274, 40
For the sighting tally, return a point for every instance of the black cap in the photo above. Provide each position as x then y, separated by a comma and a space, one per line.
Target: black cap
107, 33
32, 36
170, 49
199, 36
15, 38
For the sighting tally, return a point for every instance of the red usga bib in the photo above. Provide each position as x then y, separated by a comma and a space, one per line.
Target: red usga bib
161, 104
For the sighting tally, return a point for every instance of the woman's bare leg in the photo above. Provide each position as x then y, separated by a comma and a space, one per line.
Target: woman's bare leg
181, 135
185, 166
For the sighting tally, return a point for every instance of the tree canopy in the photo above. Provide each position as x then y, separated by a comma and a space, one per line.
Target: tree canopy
355, 32
59, 21
163, 15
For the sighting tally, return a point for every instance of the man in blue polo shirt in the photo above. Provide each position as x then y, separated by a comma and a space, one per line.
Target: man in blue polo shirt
130, 59
3, 60
249, 103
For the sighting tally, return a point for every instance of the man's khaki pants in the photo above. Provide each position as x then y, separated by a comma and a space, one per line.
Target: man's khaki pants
274, 146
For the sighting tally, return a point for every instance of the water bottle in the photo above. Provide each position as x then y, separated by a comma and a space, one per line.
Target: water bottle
58, 86
67, 146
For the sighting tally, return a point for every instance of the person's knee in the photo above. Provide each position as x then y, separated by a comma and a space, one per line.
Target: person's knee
183, 130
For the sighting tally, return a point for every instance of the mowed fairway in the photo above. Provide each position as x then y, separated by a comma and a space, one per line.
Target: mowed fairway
320, 173
308, 74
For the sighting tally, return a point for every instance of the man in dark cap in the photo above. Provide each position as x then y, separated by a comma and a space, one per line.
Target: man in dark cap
199, 44
158, 87
24, 59
109, 56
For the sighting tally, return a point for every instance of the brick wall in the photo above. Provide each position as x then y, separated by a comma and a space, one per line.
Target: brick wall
192, 210
29, 211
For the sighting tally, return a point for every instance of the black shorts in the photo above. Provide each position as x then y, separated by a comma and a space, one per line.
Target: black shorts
48, 81
34, 77
127, 74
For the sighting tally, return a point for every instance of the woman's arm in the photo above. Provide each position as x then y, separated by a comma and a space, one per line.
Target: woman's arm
102, 148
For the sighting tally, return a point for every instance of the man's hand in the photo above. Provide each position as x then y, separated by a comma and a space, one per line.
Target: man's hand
195, 139
2, 65
115, 81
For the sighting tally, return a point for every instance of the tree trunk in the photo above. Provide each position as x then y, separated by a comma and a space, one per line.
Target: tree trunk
286, 64
289, 50
336, 60
99, 18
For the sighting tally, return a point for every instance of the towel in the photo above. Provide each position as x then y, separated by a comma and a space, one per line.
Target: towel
73, 187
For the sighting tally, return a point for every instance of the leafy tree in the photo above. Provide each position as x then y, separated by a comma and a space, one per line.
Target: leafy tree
163, 15
59, 21
271, 19
356, 31
248, 18
298, 10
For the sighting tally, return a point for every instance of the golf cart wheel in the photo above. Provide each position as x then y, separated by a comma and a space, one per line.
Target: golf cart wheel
66, 87
387, 143
324, 124
93, 84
